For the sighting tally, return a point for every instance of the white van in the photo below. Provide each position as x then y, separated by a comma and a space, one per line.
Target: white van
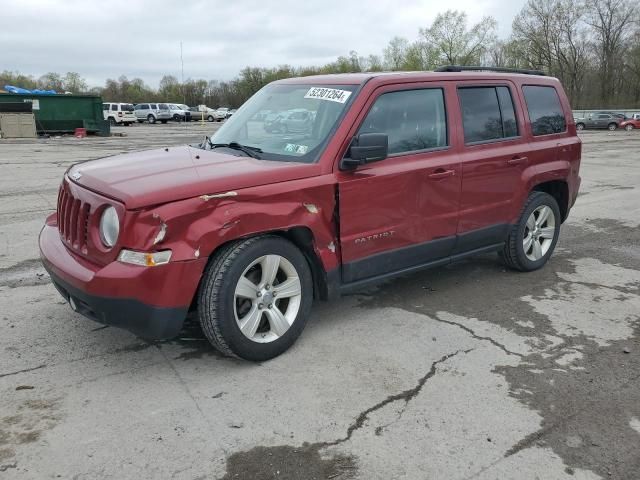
118, 113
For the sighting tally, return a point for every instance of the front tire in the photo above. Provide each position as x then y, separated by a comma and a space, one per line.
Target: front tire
579, 126
612, 127
112, 121
628, 128
533, 239
151, 119
255, 298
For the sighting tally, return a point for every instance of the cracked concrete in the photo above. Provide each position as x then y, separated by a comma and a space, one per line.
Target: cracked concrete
464, 372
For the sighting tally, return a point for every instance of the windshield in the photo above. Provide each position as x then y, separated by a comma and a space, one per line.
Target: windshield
287, 122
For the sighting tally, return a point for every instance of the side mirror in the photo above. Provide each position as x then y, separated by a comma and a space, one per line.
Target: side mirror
366, 148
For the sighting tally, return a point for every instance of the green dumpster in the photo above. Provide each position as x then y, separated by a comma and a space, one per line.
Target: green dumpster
63, 113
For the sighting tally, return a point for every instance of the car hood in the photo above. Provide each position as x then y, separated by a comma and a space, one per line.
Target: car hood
154, 177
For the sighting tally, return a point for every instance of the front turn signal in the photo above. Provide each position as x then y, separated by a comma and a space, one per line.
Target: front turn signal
145, 259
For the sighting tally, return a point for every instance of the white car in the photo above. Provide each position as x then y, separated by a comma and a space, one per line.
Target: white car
118, 113
221, 114
179, 113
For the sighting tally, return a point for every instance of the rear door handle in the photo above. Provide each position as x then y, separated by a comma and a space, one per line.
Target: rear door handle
517, 160
440, 173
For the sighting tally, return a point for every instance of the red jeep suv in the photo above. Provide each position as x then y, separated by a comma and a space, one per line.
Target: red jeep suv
385, 174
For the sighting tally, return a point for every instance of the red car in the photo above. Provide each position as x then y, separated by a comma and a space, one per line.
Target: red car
398, 172
630, 124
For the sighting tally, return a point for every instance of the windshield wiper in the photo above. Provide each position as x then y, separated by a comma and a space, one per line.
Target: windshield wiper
250, 151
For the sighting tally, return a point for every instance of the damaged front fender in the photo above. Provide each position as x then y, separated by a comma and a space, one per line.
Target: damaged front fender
197, 226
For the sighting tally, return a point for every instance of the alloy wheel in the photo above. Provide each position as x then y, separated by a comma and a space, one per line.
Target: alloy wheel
539, 233
267, 298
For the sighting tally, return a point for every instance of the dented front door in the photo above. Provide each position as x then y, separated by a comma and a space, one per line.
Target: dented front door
402, 211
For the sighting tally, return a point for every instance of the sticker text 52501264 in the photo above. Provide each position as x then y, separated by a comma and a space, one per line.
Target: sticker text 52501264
331, 94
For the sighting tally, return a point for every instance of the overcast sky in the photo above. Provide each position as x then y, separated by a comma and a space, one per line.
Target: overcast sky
141, 38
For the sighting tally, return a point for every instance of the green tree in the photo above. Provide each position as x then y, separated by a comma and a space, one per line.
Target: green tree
17, 79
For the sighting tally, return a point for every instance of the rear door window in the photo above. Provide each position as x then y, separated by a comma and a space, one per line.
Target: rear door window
509, 123
545, 111
413, 120
488, 114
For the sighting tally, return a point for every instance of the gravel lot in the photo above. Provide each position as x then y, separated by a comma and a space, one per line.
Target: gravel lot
468, 371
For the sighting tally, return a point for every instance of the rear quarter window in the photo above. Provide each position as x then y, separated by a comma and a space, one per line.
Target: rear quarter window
545, 110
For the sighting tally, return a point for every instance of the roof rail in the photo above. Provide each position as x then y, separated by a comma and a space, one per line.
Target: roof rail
469, 68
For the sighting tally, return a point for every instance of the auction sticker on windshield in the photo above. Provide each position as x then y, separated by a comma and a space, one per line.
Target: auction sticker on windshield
331, 94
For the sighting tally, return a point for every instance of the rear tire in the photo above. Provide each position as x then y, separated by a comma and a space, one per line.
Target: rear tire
112, 121
210, 118
263, 326
533, 239
580, 126
151, 119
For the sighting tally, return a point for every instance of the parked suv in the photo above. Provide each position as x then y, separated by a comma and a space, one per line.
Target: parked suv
118, 113
609, 121
179, 113
399, 172
152, 112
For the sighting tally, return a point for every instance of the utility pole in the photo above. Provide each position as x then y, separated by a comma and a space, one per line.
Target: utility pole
184, 95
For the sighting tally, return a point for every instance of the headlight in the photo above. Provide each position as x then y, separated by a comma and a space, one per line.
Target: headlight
109, 227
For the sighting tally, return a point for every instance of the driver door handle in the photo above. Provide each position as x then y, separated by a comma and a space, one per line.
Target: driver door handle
517, 160
441, 173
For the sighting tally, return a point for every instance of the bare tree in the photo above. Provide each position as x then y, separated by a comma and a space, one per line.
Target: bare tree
612, 22
553, 37
74, 83
394, 54
453, 42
